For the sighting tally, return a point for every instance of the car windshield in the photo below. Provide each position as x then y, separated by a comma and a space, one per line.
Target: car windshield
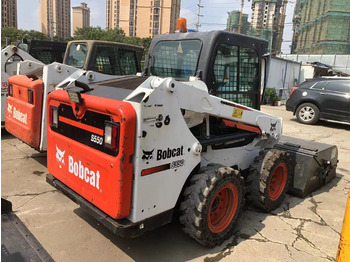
77, 54
176, 59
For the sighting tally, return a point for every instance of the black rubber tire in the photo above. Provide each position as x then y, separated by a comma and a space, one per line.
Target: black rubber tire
312, 111
259, 179
198, 197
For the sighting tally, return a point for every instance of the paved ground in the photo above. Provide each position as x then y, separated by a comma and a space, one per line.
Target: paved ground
300, 230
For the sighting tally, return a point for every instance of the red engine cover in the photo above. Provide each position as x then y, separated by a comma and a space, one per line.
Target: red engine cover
22, 119
103, 179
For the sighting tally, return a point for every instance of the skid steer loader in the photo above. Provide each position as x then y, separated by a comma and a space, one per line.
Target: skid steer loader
187, 134
86, 60
39, 52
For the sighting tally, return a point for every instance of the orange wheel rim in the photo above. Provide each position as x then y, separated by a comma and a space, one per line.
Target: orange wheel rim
278, 181
223, 208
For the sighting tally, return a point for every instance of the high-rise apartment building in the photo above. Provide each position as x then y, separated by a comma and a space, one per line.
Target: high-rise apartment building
55, 18
9, 13
232, 24
322, 28
143, 18
81, 16
266, 20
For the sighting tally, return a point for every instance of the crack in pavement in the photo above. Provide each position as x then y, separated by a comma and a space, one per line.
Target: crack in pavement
34, 195
38, 155
290, 252
314, 210
298, 232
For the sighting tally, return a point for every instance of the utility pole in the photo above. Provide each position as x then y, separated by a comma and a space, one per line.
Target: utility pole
240, 17
198, 14
52, 30
281, 25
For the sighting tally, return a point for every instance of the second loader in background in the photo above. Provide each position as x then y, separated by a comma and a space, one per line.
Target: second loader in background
39, 52
87, 61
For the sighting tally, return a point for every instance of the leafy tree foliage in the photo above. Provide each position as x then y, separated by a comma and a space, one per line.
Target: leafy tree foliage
10, 35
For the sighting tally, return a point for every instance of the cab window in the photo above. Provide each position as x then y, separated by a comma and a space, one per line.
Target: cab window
236, 72
105, 61
128, 61
77, 55
176, 59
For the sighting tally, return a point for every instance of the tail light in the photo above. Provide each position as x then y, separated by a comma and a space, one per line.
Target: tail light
53, 116
112, 135
9, 89
30, 96
293, 89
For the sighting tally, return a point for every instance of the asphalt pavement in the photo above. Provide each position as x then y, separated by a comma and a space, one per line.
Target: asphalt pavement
302, 229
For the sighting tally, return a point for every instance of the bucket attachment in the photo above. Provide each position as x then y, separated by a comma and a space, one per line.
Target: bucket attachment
314, 164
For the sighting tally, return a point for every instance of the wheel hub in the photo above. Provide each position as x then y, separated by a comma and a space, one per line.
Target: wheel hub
278, 181
223, 208
307, 113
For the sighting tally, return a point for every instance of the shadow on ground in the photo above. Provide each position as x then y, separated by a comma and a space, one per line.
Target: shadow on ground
169, 243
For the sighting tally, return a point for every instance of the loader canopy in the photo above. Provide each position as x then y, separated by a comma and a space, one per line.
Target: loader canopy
228, 63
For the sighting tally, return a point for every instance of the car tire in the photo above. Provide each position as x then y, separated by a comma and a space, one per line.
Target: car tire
308, 113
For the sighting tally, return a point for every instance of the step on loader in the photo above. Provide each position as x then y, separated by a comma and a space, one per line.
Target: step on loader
86, 61
187, 135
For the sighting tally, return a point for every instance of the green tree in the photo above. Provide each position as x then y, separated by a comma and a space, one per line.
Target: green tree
10, 35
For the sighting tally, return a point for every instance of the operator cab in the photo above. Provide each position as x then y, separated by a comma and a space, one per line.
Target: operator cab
230, 64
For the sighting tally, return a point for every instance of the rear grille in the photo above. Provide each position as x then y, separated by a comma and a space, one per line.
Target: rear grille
84, 130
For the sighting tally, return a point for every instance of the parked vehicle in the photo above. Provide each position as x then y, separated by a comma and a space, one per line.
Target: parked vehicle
186, 136
36, 52
321, 98
86, 61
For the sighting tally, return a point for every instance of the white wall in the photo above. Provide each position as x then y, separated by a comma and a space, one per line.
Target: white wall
283, 75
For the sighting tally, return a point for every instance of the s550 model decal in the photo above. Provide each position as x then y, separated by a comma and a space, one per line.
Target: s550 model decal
96, 139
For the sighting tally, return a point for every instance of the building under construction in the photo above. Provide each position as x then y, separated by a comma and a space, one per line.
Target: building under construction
268, 21
233, 22
322, 28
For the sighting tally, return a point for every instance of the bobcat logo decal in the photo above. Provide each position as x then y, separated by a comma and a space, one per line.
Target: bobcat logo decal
273, 126
60, 156
147, 155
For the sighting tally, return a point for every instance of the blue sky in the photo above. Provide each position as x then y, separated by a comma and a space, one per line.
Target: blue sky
214, 14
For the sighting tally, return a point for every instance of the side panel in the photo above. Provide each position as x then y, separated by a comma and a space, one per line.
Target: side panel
23, 118
103, 178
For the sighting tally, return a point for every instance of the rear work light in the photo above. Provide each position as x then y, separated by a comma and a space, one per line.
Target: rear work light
9, 89
111, 135
53, 116
30, 96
